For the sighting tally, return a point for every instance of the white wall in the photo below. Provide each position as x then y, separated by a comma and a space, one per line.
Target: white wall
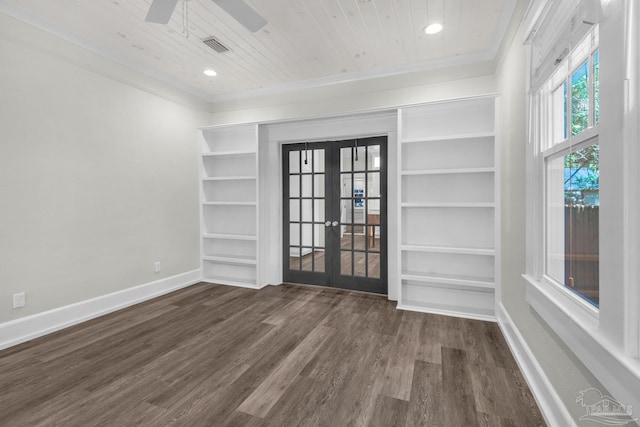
566, 374
360, 96
98, 174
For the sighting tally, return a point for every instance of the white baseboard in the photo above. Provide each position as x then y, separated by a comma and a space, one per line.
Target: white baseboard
27, 328
446, 312
550, 404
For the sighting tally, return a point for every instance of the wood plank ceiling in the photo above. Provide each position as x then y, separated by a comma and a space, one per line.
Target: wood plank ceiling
304, 40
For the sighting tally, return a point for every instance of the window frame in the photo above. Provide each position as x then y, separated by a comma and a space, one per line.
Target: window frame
631, 149
545, 147
610, 349
586, 312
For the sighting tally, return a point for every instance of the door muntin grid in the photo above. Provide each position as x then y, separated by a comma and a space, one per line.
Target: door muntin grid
352, 224
307, 210
360, 198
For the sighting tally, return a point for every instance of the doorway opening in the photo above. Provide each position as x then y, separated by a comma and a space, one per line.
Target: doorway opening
335, 214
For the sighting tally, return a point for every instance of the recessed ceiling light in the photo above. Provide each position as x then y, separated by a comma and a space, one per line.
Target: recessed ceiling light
433, 28
209, 72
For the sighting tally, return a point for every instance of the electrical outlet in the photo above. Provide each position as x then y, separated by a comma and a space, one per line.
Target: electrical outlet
19, 300
158, 266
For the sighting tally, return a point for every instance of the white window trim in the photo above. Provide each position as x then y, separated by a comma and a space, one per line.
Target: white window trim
632, 177
618, 369
557, 295
578, 308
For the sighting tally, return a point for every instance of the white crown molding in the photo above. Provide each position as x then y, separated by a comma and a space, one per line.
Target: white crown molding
503, 27
424, 66
27, 328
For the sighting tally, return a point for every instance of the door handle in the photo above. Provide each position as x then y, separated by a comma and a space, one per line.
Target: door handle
327, 224
334, 223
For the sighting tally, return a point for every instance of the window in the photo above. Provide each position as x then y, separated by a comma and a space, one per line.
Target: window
570, 158
575, 159
572, 197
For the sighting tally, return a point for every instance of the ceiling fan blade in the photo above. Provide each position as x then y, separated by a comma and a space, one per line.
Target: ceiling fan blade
243, 13
160, 11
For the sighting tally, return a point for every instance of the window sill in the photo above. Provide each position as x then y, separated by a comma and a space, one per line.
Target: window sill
616, 370
574, 307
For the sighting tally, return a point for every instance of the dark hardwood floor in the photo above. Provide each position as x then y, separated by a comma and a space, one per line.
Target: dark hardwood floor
281, 356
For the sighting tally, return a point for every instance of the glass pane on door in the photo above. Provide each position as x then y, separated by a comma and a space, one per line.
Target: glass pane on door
332, 213
360, 196
306, 178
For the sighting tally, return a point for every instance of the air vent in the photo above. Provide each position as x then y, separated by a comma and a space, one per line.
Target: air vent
215, 44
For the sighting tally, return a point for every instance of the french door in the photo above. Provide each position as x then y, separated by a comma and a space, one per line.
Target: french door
335, 214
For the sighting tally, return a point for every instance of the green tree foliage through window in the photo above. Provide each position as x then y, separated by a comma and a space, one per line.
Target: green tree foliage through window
580, 99
583, 167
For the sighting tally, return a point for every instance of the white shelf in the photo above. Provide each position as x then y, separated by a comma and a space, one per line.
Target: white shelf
448, 205
229, 178
231, 281
447, 137
451, 280
230, 236
229, 200
228, 153
229, 203
231, 260
448, 250
447, 171
449, 310
448, 198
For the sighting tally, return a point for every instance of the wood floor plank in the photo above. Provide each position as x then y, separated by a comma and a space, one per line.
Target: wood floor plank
347, 311
366, 382
124, 406
389, 412
299, 400
499, 349
342, 346
458, 403
273, 387
399, 373
240, 419
430, 345
220, 404
490, 385
339, 378
263, 354
280, 356
282, 315
382, 317
426, 393
451, 332
39, 414
521, 400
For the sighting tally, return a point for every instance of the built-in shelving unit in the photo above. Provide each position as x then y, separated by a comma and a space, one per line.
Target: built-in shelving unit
229, 203
447, 208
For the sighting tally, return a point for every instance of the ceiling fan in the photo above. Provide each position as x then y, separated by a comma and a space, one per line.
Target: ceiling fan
161, 10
